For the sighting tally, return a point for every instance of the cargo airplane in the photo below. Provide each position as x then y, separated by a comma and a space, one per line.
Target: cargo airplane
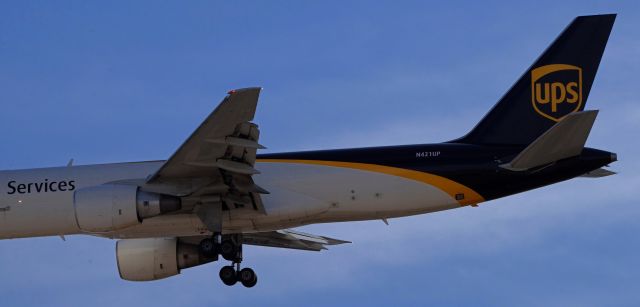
216, 194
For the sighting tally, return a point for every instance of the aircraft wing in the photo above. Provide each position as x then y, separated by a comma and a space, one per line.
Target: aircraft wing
291, 239
226, 140
214, 166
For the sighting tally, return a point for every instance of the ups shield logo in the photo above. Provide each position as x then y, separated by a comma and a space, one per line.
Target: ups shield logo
556, 90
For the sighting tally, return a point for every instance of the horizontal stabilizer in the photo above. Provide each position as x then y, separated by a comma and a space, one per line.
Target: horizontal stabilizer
601, 172
563, 140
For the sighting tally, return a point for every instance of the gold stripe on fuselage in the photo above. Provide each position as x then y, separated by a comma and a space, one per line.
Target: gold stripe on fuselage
461, 193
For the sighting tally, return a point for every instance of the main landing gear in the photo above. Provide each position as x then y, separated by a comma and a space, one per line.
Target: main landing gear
230, 248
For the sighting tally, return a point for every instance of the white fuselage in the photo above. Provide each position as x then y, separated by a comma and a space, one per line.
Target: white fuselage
40, 202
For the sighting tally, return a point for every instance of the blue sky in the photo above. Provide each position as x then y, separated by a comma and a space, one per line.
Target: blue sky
117, 81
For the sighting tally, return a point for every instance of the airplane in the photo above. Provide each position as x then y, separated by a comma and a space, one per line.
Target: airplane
216, 194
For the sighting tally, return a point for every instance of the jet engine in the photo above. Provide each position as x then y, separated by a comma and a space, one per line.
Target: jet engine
155, 258
113, 207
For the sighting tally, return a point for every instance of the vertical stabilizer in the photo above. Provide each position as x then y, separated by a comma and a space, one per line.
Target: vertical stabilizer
556, 85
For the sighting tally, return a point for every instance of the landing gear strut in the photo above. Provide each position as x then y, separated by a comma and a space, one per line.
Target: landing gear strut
230, 247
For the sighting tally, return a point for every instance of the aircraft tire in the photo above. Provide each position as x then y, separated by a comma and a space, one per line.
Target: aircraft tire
248, 277
228, 250
228, 275
208, 248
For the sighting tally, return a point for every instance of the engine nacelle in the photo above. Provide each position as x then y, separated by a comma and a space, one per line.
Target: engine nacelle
112, 207
155, 258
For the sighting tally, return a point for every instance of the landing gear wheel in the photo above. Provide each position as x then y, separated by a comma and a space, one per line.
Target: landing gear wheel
228, 275
228, 250
208, 248
248, 277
